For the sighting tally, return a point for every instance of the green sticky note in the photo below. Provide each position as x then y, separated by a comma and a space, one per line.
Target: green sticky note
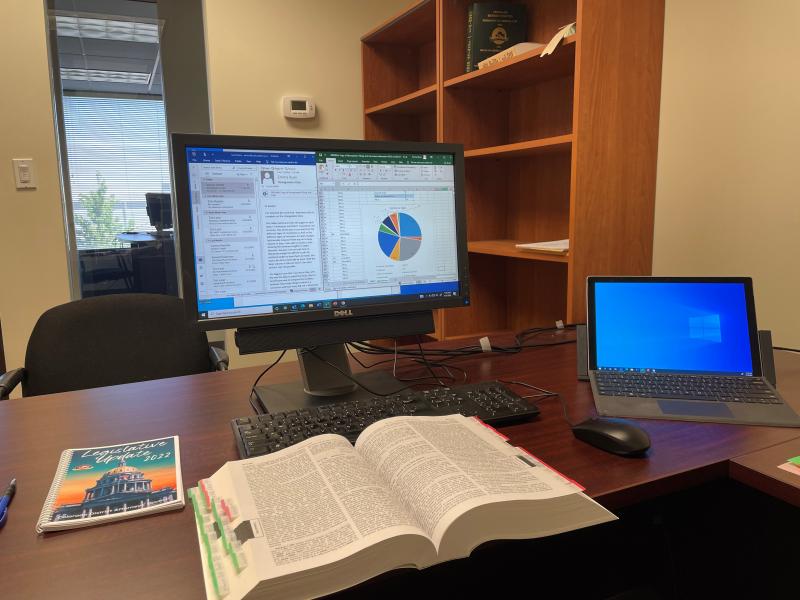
795, 460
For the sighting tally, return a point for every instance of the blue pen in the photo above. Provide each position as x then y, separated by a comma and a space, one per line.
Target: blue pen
6, 500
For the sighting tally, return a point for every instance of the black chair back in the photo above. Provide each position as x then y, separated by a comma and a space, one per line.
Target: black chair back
109, 340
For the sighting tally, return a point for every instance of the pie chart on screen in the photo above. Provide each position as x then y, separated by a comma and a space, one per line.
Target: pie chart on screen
399, 236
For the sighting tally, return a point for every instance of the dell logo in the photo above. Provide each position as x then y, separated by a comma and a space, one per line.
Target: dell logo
343, 313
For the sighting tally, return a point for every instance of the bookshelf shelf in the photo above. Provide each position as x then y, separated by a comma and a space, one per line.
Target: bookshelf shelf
556, 147
521, 71
508, 248
559, 143
416, 103
414, 26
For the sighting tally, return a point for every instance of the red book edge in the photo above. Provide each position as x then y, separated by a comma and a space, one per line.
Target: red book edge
504, 438
556, 471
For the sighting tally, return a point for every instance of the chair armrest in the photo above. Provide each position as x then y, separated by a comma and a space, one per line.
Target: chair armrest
10, 380
219, 358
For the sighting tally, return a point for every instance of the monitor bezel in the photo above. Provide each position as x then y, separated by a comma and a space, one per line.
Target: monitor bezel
185, 234
752, 326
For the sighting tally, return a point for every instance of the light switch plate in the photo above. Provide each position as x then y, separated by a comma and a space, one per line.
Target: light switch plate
24, 176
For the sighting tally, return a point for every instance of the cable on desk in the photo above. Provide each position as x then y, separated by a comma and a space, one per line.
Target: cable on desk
420, 356
425, 360
264, 372
452, 353
785, 349
356, 381
434, 364
542, 395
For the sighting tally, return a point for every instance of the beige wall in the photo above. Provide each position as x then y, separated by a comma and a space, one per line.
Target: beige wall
728, 191
258, 51
32, 247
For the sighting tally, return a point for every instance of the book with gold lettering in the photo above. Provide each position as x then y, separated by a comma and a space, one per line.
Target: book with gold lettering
108, 483
491, 28
324, 515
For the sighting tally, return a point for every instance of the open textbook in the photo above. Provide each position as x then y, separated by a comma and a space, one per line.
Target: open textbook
323, 515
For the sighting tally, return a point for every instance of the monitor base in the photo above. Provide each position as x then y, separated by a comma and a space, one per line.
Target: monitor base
283, 397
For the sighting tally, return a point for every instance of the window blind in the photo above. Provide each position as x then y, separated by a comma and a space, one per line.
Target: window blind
122, 142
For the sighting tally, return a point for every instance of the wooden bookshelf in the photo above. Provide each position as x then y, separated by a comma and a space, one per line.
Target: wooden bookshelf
561, 146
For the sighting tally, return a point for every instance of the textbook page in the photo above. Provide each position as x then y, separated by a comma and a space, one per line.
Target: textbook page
442, 467
316, 502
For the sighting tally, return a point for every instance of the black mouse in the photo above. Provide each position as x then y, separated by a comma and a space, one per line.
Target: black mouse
613, 435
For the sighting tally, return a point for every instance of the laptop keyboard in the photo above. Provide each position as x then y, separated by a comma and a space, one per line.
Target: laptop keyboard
685, 387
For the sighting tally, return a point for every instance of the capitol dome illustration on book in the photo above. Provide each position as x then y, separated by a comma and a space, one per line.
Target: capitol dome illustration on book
119, 490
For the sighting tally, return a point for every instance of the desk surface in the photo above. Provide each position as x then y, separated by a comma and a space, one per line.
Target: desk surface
160, 552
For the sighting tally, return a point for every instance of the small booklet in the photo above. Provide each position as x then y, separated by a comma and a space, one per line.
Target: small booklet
95, 485
509, 53
323, 515
554, 247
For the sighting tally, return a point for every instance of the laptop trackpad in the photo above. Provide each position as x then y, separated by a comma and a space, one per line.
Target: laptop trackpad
694, 408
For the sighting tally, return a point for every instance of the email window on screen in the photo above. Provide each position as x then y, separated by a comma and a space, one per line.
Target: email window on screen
677, 327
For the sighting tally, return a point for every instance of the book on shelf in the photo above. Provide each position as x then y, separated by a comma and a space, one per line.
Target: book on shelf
324, 515
509, 53
109, 483
493, 27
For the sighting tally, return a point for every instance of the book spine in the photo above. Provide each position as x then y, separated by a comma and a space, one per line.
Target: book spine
61, 473
469, 38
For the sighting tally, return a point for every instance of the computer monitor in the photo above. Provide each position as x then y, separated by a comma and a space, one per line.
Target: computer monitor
159, 210
310, 243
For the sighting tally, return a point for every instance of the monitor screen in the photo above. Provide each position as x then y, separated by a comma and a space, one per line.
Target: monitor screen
688, 326
285, 230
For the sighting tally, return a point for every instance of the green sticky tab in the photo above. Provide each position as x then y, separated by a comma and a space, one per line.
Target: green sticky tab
212, 572
225, 543
795, 460
195, 505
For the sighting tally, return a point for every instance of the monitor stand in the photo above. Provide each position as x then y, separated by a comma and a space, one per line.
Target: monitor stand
323, 384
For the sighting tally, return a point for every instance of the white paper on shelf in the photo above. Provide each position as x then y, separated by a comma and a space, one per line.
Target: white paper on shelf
560, 35
558, 246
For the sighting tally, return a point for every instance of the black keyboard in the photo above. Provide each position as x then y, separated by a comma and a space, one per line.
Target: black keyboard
686, 387
492, 402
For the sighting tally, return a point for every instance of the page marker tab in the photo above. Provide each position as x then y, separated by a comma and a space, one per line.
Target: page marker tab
557, 472
486, 345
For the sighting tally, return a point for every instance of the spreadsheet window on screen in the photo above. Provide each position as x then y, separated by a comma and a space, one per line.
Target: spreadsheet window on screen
672, 327
286, 231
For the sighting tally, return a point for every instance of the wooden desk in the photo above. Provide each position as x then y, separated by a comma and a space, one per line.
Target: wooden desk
157, 556
759, 469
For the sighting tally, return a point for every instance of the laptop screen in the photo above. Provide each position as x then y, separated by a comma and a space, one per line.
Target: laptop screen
681, 325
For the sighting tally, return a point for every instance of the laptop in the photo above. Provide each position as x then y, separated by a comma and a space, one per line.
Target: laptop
682, 348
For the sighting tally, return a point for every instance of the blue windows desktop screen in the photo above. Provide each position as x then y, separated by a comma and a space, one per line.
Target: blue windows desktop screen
672, 326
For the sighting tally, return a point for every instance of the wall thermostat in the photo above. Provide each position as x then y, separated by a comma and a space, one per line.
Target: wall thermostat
298, 107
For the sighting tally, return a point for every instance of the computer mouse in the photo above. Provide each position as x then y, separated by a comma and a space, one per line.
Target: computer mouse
613, 435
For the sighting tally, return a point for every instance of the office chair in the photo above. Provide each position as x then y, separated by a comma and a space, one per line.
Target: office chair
109, 340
